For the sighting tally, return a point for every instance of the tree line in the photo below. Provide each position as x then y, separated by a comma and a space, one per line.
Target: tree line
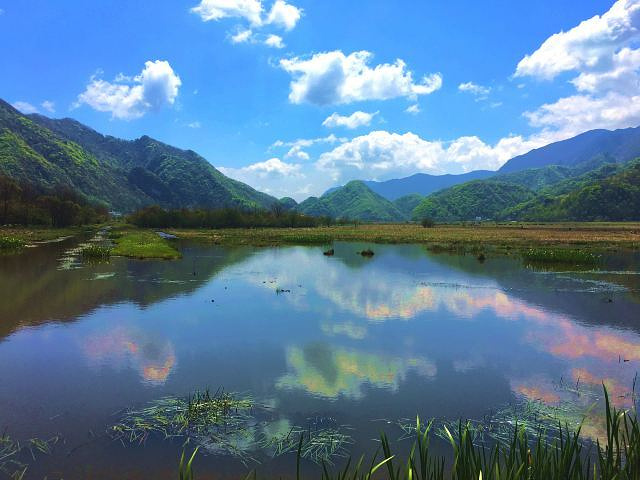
22, 203
276, 217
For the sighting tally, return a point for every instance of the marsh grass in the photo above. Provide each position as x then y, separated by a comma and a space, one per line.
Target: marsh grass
319, 442
219, 422
11, 243
560, 256
525, 455
14, 456
592, 236
142, 244
95, 252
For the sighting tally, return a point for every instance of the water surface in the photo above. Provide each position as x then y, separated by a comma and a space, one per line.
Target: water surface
353, 343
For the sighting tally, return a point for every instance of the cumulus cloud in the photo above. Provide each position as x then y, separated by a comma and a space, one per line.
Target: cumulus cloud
243, 36
383, 155
156, 86
281, 15
413, 109
284, 15
49, 106
335, 78
24, 107
272, 176
478, 91
601, 52
589, 45
274, 41
251, 10
355, 120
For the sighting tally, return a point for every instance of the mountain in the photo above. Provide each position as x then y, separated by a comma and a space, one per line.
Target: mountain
616, 146
480, 198
355, 201
122, 174
288, 203
615, 197
422, 183
407, 203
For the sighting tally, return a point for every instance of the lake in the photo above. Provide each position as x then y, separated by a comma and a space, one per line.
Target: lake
341, 346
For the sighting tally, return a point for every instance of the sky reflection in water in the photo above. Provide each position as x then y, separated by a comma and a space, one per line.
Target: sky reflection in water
402, 333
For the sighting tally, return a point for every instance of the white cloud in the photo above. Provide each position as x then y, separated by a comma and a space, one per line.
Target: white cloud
413, 109
272, 176
274, 41
384, 155
281, 14
308, 142
601, 52
335, 78
250, 10
24, 107
355, 120
579, 113
49, 106
156, 86
195, 124
589, 45
243, 36
297, 152
284, 15
478, 91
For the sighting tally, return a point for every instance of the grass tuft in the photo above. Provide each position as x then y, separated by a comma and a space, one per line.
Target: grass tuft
560, 255
95, 252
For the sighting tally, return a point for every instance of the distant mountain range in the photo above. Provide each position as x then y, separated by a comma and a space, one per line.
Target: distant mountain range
517, 191
124, 175
590, 176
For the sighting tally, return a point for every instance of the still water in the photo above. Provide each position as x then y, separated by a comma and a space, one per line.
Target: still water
348, 343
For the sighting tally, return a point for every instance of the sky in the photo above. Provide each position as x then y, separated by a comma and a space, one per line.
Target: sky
296, 96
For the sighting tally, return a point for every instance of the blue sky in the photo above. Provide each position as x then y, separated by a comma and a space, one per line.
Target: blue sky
296, 96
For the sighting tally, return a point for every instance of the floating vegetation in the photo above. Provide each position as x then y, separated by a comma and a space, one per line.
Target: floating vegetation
560, 255
14, 456
367, 253
219, 422
524, 457
320, 442
95, 252
11, 243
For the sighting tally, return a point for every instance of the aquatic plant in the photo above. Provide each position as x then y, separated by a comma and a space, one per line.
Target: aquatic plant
218, 421
560, 255
12, 454
11, 243
95, 252
367, 253
320, 442
526, 455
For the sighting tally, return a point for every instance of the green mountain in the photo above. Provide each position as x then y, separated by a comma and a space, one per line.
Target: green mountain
355, 201
613, 146
480, 198
408, 203
122, 174
594, 196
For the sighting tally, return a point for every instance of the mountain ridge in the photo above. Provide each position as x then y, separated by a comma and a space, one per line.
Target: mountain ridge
122, 174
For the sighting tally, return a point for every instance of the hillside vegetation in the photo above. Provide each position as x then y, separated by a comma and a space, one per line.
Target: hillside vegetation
123, 175
354, 200
480, 198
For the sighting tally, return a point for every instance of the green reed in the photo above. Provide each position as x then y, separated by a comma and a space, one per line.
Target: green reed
95, 252
11, 243
560, 255
526, 456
